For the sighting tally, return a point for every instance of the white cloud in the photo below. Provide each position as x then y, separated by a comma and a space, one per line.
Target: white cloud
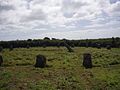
83, 34
114, 10
35, 15
63, 16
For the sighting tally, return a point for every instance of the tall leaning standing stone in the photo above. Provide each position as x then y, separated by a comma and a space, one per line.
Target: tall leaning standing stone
40, 61
87, 61
1, 60
68, 47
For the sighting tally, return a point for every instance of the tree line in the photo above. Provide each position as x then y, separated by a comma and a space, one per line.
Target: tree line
113, 42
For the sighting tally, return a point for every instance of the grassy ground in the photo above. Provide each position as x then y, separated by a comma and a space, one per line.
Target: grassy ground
65, 71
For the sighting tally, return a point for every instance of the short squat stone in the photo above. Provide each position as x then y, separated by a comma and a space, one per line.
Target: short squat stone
87, 62
40, 61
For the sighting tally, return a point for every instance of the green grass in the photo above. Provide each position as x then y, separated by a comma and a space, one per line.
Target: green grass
65, 71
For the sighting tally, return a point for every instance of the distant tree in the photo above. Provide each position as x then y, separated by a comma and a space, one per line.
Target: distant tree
87, 43
44, 45
54, 39
72, 45
58, 44
29, 40
117, 42
117, 39
11, 48
28, 46
98, 46
113, 42
46, 38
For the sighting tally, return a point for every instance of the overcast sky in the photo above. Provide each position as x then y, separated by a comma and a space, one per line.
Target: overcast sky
71, 19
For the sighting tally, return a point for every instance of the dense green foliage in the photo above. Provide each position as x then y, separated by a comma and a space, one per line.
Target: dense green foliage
113, 42
64, 71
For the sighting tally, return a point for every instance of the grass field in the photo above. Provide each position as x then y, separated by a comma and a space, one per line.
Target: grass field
65, 71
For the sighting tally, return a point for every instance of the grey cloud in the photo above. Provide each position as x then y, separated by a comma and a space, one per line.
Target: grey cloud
2, 20
29, 0
73, 3
114, 11
113, 1
69, 7
37, 1
5, 6
117, 7
68, 14
35, 15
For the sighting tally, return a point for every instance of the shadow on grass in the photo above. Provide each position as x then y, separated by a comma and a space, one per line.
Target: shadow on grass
24, 64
